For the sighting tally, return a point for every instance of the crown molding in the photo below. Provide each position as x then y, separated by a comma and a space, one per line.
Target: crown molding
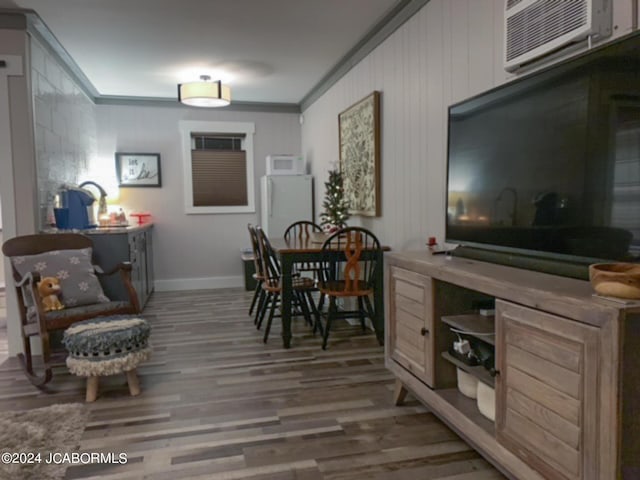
12, 19
235, 106
38, 29
393, 20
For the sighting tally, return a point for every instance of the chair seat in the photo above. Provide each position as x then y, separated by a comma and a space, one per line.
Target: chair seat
298, 283
303, 283
338, 288
58, 319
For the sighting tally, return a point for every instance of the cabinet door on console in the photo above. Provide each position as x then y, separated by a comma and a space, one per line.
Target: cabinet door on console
547, 391
411, 300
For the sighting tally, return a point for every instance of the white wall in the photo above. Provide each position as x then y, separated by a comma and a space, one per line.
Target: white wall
190, 251
448, 51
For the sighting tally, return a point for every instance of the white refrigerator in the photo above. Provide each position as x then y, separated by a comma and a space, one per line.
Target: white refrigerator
285, 199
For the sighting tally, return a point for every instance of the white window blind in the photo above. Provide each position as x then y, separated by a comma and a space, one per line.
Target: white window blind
219, 178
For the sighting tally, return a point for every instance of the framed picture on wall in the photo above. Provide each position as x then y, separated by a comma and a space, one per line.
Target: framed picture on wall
359, 132
138, 169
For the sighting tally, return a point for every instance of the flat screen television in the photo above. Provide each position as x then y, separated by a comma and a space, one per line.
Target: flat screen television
547, 167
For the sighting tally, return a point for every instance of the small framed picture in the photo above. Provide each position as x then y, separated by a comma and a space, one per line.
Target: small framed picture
138, 169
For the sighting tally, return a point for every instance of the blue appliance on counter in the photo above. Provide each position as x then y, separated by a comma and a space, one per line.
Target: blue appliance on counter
79, 202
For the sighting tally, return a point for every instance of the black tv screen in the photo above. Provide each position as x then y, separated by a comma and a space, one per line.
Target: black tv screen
549, 164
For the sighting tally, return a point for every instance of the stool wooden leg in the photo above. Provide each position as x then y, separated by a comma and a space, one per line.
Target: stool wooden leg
134, 384
92, 389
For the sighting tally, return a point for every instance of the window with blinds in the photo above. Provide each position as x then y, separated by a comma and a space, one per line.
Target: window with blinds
218, 170
217, 159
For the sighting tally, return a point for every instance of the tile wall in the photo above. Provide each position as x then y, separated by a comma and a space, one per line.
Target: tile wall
65, 126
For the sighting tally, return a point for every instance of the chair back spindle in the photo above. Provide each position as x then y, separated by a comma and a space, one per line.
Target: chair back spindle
302, 231
270, 263
257, 258
352, 252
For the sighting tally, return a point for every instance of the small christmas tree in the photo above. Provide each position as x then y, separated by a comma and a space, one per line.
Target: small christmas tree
336, 208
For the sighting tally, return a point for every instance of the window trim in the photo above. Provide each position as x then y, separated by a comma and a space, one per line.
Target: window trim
248, 128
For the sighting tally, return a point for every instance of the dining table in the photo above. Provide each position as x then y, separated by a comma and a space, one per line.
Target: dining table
309, 250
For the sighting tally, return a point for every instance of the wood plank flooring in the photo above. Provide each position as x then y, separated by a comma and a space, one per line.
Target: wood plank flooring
217, 403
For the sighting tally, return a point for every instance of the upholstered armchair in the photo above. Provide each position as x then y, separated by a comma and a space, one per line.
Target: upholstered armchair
67, 257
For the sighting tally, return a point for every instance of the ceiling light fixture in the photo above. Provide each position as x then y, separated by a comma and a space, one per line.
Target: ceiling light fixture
204, 93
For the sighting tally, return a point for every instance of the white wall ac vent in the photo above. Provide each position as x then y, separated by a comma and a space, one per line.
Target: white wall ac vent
534, 28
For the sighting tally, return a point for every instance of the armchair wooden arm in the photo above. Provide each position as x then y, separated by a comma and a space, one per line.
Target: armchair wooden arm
124, 268
29, 284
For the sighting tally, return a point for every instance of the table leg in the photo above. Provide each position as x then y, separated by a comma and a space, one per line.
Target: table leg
286, 263
378, 299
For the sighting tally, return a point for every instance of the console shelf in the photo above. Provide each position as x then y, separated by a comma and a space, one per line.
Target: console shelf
483, 326
566, 364
477, 371
467, 407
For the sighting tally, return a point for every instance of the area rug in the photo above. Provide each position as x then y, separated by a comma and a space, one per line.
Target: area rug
53, 429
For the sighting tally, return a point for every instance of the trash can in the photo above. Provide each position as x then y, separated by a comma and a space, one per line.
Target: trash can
249, 270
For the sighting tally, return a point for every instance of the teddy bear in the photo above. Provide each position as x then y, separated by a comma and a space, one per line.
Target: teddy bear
49, 289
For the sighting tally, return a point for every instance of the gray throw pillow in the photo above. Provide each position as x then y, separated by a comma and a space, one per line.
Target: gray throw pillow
78, 282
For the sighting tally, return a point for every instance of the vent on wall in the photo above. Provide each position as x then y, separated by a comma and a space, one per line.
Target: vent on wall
534, 28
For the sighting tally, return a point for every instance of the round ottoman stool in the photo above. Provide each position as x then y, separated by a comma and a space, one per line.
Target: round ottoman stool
107, 346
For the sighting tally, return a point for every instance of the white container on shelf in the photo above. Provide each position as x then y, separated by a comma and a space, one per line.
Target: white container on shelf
487, 401
467, 384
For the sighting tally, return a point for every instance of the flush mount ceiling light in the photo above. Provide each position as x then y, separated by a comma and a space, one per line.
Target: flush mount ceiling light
204, 93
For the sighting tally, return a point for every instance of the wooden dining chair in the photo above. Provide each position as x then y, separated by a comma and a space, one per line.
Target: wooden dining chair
302, 231
272, 285
349, 263
258, 276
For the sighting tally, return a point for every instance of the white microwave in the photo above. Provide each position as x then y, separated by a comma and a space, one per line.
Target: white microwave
285, 165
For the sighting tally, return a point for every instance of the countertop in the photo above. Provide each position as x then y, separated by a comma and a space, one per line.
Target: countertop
102, 230
563, 296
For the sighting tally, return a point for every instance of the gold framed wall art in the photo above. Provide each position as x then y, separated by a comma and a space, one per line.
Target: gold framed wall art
359, 133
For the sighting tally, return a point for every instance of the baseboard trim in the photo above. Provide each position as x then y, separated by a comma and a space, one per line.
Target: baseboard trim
205, 283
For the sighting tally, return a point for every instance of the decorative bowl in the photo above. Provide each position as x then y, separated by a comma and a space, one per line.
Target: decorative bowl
620, 280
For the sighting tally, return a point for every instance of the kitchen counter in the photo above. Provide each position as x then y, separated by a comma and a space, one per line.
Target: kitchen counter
112, 245
101, 230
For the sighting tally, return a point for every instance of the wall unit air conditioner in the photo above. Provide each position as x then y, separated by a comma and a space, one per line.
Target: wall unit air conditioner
534, 28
